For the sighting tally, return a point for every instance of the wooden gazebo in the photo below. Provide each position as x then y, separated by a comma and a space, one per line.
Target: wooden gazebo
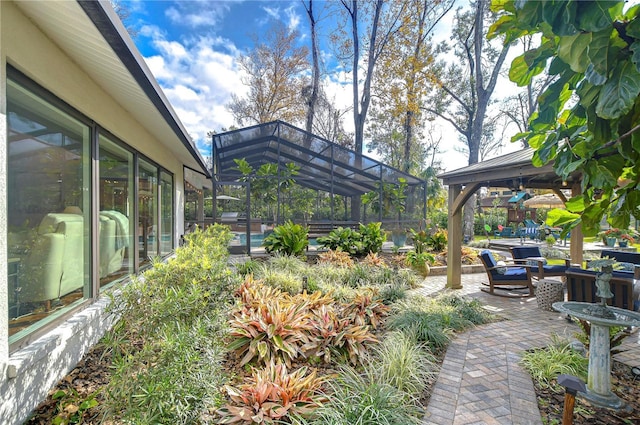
513, 170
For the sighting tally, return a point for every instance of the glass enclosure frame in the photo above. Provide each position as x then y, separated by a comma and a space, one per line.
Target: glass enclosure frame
343, 179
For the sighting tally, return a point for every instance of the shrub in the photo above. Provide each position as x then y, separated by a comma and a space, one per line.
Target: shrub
284, 327
423, 326
247, 267
438, 241
368, 239
344, 239
433, 321
420, 240
288, 238
172, 317
271, 330
372, 238
336, 258
173, 380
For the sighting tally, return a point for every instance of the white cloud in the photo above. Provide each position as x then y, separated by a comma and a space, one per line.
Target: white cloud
197, 14
198, 77
273, 12
291, 18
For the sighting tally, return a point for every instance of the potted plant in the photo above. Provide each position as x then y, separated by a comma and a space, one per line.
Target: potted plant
625, 239
610, 236
420, 262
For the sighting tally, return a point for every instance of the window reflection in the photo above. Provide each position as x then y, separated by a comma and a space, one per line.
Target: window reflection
116, 229
48, 210
166, 213
147, 211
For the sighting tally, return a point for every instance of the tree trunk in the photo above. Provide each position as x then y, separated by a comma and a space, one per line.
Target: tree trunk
315, 78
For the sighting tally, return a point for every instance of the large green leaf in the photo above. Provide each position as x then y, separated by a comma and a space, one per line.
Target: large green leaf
635, 48
575, 204
620, 91
573, 50
558, 217
595, 16
633, 27
522, 73
598, 51
560, 15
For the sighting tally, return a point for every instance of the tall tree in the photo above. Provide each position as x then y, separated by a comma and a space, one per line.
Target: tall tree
273, 72
329, 122
312, 91
589, 118
405, 68
379, 22
371, 26
464, 89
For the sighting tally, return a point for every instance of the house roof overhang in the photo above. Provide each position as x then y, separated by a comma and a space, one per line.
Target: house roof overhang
93, 36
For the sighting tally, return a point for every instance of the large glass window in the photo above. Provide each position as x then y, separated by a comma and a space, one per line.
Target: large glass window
166, 213
147, 211
116, 231
48, 215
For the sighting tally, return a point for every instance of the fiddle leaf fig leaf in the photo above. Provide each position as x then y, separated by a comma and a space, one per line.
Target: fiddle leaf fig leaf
573, 50
619, 93
559, 218
575, 204
594, 15
598, 52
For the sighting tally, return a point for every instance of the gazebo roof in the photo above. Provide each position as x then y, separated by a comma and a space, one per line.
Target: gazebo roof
512, 170
324, 165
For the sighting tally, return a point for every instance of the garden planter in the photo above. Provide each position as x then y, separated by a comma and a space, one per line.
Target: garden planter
610, 242
622, 243
399, 239
423, 270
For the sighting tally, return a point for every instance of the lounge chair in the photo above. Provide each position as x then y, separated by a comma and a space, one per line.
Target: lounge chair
531, 255
508, 277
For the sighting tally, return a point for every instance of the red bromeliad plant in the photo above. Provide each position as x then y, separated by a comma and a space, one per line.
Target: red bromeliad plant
336, 257
352, 341
283, 327
273, 330
365, 309
326, 326
271, 394
253, 293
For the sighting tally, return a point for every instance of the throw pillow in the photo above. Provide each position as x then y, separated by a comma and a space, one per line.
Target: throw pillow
501, 270
626, 267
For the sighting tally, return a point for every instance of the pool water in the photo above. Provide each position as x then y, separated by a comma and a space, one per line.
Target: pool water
257, 238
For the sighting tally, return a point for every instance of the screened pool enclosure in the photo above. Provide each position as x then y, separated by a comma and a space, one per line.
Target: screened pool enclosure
270, 173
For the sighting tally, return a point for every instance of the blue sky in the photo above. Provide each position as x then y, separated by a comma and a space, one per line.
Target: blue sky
191, 48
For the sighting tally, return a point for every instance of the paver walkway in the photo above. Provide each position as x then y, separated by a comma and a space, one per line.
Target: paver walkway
480, 381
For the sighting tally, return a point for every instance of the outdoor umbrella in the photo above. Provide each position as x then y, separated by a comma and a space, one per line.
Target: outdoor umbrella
227, 198
548, 200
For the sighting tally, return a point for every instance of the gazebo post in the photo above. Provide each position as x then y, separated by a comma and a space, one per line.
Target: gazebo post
577, 238
454, 244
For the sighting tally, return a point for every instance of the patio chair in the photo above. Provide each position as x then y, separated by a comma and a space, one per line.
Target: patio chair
531, 228
531, 256
508, 277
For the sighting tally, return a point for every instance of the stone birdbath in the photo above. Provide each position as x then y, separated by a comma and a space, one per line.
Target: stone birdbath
602, 317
